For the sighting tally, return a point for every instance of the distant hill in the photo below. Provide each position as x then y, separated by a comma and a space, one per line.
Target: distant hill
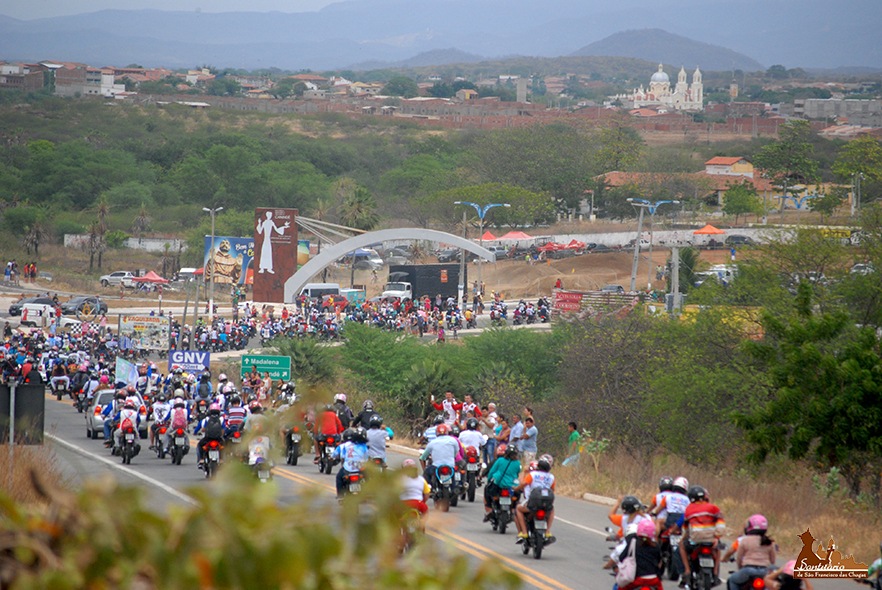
663, 47
436, 57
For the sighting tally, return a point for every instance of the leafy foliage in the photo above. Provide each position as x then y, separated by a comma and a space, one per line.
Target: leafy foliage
310, 363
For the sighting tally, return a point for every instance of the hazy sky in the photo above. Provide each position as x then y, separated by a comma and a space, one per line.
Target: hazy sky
31, 9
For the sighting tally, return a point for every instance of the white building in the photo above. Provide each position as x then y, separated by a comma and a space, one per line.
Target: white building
683, 97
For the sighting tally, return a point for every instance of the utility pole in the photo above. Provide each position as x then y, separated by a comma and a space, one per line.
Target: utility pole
211, 251
636, 249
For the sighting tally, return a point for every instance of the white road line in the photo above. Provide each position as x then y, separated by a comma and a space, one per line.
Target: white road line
166, 488
580, 526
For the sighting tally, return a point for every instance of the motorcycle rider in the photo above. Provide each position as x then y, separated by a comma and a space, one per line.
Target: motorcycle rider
179, 417
755, 554
127, 416
503, 474
204, 390
647, 557
59, 375
444, 450
415, 490
343, 411
353, 452
376, 439
161, 413
237, 415
110, 412
470, 437
632, 513
671, 504
213, 425
540, 479
701, 523
782, 578
431, 432
327, 424
364, 416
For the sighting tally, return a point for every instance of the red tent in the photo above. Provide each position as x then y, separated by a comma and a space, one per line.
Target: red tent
488, 236
550, 246
150, 277
575, 245
199, 272
708, 230
515, 235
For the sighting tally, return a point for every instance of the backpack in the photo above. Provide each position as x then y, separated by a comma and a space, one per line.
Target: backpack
203, 390
540, 498
213, 428
179, 418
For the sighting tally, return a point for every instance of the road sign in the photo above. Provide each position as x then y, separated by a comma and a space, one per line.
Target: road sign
278, 367
192, 361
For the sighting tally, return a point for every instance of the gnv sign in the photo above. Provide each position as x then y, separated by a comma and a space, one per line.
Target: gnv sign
191, 361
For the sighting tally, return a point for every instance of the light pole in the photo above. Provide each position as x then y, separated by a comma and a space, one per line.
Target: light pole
856, 192
643, 204
212, 212
482, 212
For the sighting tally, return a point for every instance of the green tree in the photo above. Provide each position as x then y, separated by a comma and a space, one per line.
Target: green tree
359, 210
527, 207
223, 87
828, 202
619, 148
862, 155
401, 86
741, 199
789, 160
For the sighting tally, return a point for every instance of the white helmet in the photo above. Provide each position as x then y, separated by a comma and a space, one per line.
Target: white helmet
340, 397
228, 388
222, 377
179, 392
681, 484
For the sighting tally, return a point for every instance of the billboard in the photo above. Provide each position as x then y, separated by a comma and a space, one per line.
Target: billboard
146, 331
235, 258
191, 361
275, 252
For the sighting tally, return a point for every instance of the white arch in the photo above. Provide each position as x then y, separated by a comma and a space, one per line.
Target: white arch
329, 255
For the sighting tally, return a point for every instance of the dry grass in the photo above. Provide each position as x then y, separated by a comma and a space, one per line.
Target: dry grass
784, 493
27, 459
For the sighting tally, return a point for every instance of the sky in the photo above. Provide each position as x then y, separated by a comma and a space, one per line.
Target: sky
32, 9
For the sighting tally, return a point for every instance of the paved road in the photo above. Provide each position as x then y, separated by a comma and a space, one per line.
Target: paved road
573, 562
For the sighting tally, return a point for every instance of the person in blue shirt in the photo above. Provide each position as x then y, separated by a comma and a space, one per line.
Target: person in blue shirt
353, 452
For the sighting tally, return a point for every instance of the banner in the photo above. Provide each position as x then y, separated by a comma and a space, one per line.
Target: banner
126, 372
275, 252
233, 257
146, 331
191, 361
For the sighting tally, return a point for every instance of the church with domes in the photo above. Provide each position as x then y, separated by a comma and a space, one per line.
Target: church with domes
682, 97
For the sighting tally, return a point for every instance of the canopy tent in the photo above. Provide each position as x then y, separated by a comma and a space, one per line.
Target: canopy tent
199, 272
550, 246
488, 236
150, 277
575, 245
515, 235
708, 230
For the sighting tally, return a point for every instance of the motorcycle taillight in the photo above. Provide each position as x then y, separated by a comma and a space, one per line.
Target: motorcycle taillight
540, 515
296, 429
705, 550
330, 440
180, 432
162, 430
213, 444
505, 493
444, 470
354, 477
130, 430
472, 460
237, 434
758, 584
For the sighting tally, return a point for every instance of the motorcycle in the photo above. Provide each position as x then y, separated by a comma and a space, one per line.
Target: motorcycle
701, 562
292, 445
211, 458
411, 528
81, 401
233, 437
669, 544
258, 458
160, 430
352, 482
130, 447
327, 444
537, 524
443, 487
471, 323
502, 510
473, 472
179, 446
60, 390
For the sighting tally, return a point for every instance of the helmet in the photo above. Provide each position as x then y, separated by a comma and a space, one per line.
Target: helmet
105, 380
130, 404
179, 392
179, 371
222, 377
681, 484
630, 504
697, 493
347, 435
120, 394
161, 397
548, 458
756, 523
191, 378
228, 388
360, 435
788, 567
130, 389
454, 430
179, 403
367, 406
408, 464
375, 421
500, 450
205, 376
214, 406
511, 452
153, 366
255, 407
472, 424
534, 465
646, 528
442, 429
340, 397
665, 484
439, 419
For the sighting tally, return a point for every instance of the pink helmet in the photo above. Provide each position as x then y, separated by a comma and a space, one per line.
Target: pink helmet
757, 522
788, 567
408, 463
646, 528
214, 406
104, 380
500, 450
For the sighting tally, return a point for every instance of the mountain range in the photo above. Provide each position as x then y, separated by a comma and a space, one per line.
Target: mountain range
794, 33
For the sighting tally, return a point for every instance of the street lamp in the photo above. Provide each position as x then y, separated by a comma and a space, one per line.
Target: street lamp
212, 212
643, 204
482, 212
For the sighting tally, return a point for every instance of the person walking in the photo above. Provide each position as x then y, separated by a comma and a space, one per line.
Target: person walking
572, 445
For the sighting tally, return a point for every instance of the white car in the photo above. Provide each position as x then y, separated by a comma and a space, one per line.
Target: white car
114, 279
41, 315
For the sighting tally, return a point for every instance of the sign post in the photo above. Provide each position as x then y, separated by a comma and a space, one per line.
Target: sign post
278, 367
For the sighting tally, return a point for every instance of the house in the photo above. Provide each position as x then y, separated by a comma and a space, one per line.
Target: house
21, 76
712, 185
466, 94
736, 166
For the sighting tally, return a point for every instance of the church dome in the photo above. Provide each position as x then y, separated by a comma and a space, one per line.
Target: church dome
660, 75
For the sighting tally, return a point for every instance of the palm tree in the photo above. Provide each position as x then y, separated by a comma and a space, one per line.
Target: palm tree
37, 233
103, 211
359, 210
141, 223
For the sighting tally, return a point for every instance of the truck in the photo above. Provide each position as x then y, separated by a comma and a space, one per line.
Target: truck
409, 281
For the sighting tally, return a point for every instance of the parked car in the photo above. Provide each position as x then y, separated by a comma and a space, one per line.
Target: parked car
601, 249
84, 306
15, 308
737, 240
500, 251
644, 243
95, 421
453, 255
862, 268
114, 279
617, 289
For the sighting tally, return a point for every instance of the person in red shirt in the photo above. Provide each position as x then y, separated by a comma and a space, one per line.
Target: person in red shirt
702, 523
326, 423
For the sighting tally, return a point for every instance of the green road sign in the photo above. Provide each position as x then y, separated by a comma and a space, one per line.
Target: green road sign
278, 367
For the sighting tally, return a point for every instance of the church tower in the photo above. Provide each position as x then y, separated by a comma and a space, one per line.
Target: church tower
697, 89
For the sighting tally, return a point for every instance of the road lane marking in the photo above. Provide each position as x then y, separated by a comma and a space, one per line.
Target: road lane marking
164, 487
580, 526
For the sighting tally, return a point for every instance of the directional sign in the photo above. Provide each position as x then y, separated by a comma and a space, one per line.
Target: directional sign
191, 361
278, 367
